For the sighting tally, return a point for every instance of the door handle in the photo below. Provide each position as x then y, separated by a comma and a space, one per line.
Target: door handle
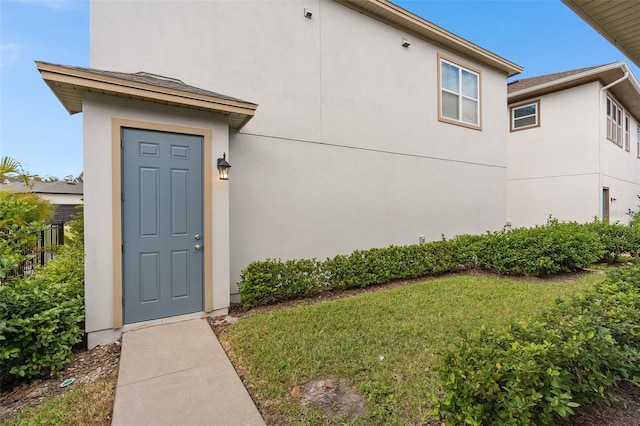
198, 247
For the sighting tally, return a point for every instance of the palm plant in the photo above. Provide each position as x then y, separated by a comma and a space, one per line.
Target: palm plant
11, 168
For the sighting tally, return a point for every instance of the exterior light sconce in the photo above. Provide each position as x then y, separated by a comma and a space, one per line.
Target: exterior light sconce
405, 42
307, 13
223, 167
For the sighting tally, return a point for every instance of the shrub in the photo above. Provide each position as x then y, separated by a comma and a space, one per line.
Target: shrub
553, 248
616, 239
564, 357
41, 317
271, 281
542, 250
382, 265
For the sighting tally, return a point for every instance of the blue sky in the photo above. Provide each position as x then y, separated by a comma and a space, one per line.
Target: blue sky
543, 36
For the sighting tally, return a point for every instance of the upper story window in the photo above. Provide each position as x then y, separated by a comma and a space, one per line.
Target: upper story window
627, 135
459, 94
614, 122
525, 116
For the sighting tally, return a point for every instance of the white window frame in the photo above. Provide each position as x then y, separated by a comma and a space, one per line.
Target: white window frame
626, 130
515, 128
461, 68
638, 141
615, 118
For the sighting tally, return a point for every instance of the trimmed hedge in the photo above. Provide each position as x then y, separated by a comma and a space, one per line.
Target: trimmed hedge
41, 316
616, 239
274, 280
553, 248
533, 373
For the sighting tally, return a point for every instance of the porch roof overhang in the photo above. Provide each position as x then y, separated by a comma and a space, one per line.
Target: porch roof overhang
617, 21
392, 14
627, 90
69, 84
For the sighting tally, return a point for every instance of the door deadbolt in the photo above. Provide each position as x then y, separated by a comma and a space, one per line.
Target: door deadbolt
197, 236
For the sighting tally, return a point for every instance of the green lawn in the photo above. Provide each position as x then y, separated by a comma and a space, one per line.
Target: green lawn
384, 343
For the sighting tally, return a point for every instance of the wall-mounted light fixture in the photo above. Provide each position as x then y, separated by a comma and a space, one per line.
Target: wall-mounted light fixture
405, 42
223, 167
307, 13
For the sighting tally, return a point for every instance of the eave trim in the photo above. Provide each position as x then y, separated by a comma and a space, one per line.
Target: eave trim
432, 32
58, 76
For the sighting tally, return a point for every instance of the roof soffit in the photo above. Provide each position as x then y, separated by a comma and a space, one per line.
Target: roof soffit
617, 21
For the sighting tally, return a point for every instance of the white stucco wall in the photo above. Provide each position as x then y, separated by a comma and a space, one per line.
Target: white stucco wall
621, 174
99, 111
561, 167
345, 151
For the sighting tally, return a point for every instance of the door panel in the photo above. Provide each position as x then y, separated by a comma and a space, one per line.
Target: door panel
162, 214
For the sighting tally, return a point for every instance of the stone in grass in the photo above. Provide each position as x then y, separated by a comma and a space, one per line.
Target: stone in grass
295, 391
334, 399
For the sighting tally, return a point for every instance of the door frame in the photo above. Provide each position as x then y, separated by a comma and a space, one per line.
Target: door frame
116, 204
605, 204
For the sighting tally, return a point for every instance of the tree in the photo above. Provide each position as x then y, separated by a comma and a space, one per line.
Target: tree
11, 168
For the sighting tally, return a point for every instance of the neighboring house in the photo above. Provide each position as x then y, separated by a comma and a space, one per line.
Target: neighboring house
374, 127
574, 146
66, 196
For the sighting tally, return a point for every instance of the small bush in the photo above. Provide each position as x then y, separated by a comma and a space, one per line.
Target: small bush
382, 265
616, 239
272, 281
553, 248
565, 357
41, 317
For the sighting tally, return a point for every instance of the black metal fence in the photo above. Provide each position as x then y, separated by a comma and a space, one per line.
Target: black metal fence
40, 253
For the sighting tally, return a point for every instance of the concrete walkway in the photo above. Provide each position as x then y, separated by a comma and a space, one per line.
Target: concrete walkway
178, 374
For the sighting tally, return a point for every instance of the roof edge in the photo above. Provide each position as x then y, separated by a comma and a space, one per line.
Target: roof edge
84, 78
433, 32
592, 72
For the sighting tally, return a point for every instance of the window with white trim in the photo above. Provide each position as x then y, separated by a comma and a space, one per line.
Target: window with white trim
614, 122
627, 135
459, 94
525, 116
638, 139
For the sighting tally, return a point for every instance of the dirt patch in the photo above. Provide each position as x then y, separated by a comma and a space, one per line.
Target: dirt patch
85, 367
333, 399
626, 413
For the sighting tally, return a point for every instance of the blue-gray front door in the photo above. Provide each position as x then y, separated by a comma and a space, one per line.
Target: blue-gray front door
162, 224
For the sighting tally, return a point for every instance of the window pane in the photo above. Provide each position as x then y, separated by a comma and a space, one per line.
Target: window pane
608, 107
525, 110
469, 111
450, 77
450, 105
524, 122
469, 84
